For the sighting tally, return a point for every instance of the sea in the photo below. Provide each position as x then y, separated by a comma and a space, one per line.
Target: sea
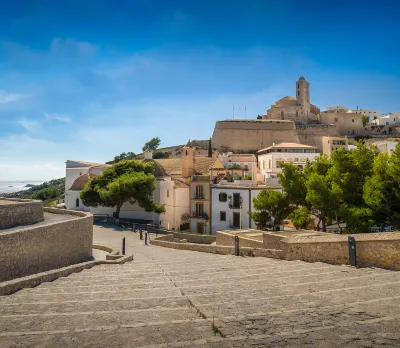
15, 186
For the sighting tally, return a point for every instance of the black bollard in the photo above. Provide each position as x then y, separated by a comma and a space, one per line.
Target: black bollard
141, 234
123, 246
145, 238
352, 251
236, 246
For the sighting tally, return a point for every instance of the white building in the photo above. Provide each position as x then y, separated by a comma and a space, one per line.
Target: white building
388, 120
298, 154
246, 161
231, 203
386, 146
171, 191
330, 144
373, 115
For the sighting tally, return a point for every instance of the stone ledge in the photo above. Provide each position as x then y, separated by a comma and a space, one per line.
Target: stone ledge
222, 250
11, 286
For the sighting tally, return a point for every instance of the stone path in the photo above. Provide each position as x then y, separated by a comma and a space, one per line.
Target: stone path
170, 298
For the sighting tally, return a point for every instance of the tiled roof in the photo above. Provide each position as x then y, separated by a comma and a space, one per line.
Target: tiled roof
203, 164
287, 98
179, 184
81, 181
288, 146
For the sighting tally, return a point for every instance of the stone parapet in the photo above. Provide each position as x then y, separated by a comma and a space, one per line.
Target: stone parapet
33, 249
18, 212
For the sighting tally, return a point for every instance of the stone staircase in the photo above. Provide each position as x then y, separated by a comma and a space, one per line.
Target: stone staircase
174, 298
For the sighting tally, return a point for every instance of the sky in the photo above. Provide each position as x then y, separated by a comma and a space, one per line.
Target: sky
90, 79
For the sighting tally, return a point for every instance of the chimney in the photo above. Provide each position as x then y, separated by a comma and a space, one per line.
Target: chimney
148, 154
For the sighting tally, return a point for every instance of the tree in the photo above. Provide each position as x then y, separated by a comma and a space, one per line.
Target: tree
301, 218
126, 181
365, 120
160, 154
259, 117
152, 144
47, 193
293, 182
272, 208
209, 148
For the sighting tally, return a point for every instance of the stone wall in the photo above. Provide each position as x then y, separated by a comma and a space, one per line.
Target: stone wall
228, 239
252, 134
195, 238
272, 241
18, 212
372, 249
34, 249
348, 123
312, 134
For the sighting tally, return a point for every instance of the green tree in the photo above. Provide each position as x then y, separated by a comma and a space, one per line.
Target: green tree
272, 208
365, 120
301, 218
293, 181
160, 154
47, 193
209, 148
259, 117
152, 144
126, 181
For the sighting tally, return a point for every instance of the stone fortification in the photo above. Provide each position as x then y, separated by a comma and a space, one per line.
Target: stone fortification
17, 212
348, 123
44, 246
252, 134
312, 134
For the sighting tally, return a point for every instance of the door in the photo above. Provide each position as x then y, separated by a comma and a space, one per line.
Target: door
200, 227
236, 220
236, 200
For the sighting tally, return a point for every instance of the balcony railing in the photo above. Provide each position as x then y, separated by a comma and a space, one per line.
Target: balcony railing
198, 215
199, 196
234, 206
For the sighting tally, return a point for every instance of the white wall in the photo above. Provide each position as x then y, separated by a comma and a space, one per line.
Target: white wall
373, 115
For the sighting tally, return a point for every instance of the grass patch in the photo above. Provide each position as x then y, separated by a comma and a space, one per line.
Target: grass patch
216, 330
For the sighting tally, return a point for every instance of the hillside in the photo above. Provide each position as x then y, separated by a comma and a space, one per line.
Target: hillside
48, 192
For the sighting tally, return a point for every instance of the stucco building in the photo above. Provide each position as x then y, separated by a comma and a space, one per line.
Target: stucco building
330, 144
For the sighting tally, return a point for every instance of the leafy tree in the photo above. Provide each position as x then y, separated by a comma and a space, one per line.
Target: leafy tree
259, 117
301, 218
271, 209
152, 144
161, 154
47, 193
365, 120
209, 148
126, 181
293, 181
234, 166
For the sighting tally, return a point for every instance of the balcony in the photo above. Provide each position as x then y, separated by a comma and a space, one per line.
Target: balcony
235, 206
199, 215
199, 196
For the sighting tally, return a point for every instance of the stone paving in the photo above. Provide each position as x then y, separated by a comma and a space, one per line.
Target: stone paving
174, 298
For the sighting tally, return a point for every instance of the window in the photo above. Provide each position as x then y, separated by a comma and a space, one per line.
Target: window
167, 193
297, 113
199, 191
236, 200
236, 220
336, 119
246, 167
298, 92
186, 152
222, 216
264, 165
199, 209
269, 163
223, 197
352, 120
77, 202
282, 115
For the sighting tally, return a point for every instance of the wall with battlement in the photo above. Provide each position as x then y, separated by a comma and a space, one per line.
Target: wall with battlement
18, 212
38, 248
312, 134
252, 134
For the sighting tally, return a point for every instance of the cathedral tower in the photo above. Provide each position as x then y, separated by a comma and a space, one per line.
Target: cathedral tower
303, 92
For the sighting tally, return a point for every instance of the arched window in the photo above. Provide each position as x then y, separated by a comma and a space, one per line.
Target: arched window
297, 113
167, 193
336, 119
186, 152
77, 202
282, 115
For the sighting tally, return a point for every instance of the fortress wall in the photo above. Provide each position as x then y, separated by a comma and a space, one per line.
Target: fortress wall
312, 134
252, 135
289, 113
349, 123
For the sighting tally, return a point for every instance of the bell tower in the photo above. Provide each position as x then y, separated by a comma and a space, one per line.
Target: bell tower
303, 92
188, 160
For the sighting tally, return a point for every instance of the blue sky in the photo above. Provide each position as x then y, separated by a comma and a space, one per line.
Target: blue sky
89, 79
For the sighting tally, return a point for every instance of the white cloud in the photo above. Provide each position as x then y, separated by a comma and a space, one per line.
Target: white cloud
28, 125
57, 117
68, 46
9, 97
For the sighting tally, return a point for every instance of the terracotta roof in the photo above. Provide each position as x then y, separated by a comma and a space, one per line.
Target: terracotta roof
88, 163
203, 164
288, 146
179, 184
81, 181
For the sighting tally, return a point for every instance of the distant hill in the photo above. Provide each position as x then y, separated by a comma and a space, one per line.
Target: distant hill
49, 192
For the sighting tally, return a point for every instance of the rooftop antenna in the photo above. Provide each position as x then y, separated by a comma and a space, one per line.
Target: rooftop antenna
245, 112
233, 111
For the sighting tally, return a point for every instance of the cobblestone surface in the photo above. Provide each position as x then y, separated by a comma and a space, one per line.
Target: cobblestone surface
175, 298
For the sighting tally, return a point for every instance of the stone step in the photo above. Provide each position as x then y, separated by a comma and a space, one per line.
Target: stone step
127, 334
269, 288
87, 295
63, 306
77, 320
